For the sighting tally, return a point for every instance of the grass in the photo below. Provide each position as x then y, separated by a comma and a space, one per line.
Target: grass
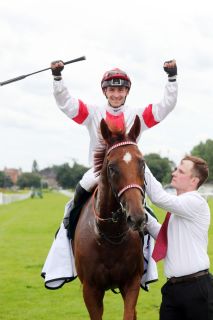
26, 232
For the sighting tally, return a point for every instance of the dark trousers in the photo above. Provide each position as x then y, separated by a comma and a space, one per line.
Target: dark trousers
191, 300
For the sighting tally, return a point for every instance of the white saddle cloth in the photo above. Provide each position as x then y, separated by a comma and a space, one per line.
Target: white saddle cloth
59, 267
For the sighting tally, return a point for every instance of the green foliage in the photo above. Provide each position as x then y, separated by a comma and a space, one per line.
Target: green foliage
28, 180
5, 181
205, 151
68, 177
160, 167
35, 168
27, 230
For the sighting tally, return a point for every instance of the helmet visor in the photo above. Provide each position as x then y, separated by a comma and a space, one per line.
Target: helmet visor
116, 82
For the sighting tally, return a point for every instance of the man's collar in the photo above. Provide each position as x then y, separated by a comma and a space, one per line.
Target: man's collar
116, 111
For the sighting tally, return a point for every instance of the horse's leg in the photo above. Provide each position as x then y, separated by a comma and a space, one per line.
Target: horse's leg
93, 298
130, 294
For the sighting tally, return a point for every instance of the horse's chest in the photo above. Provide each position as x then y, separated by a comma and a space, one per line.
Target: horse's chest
112, 274
115, 265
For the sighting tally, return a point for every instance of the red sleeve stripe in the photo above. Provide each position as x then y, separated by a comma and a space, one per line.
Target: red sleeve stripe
148, 117
82, 113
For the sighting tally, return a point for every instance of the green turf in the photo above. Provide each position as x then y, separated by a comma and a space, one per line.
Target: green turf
26, 233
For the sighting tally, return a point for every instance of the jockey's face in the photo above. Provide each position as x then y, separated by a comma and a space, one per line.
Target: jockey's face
116, 96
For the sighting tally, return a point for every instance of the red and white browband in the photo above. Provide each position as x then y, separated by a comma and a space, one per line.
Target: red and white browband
120, 144
132, 185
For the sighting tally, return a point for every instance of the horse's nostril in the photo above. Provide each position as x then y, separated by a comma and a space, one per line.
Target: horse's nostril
136, 223
129, 220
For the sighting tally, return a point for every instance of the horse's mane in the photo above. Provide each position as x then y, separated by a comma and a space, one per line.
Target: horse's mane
98, 159
118, 135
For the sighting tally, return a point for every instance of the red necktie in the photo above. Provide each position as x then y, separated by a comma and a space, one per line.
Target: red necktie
160, 247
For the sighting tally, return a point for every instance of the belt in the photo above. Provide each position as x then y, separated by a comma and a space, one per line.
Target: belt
189, 277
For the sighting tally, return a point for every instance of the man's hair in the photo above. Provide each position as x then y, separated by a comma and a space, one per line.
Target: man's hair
200, 168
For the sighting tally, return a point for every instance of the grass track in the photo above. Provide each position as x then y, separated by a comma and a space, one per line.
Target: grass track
26, 233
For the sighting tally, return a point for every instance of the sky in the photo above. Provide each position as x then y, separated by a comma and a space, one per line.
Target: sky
136, 36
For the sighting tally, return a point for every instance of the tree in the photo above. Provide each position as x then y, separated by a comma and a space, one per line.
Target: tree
78, 171
160, 167
28, 180
205, 151
35, 168
68, 177
5, 181
64, 176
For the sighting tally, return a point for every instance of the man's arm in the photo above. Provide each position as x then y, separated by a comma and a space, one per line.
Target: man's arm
188, 204
152, 225
74, 108
156, 112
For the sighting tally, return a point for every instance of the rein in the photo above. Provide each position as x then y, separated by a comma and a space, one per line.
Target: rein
113, 219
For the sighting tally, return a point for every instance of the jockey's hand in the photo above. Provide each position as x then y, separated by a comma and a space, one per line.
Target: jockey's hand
170, 68
57, 67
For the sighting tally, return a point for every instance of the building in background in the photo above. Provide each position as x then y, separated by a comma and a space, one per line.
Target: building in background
13, 174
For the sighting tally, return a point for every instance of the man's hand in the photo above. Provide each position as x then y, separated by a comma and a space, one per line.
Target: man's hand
170, 68
57, 67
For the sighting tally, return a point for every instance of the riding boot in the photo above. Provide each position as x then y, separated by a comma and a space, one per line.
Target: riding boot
73, 212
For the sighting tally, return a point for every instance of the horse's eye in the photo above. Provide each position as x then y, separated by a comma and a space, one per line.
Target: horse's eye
112, 170
141, 164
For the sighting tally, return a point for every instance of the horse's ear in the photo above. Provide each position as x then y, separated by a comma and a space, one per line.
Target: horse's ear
106, 133
135, 130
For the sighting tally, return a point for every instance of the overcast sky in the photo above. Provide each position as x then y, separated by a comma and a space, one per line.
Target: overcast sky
137, 36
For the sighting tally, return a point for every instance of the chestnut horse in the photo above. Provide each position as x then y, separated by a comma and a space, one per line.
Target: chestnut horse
107, 245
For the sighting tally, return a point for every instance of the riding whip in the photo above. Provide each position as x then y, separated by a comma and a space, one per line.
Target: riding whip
30, 74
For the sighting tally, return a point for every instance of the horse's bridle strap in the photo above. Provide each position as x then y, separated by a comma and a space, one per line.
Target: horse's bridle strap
130, 186
120, 144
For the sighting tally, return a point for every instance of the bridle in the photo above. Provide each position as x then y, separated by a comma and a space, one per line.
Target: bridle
115, 215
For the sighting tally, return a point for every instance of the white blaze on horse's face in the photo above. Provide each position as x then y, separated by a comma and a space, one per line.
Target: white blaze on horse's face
127, 157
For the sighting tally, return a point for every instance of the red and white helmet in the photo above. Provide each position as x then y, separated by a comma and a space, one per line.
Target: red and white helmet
115, 78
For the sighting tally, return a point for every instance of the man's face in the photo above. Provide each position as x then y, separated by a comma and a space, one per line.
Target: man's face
116, 95
183, 179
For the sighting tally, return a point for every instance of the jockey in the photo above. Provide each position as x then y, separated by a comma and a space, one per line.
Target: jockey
115, 85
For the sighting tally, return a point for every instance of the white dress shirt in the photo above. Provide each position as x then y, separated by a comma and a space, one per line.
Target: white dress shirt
187, 230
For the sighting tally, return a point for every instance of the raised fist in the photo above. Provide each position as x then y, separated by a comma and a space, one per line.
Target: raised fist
170, 68
57, 67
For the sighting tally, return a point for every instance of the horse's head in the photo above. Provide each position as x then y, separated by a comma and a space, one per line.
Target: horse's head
124, 171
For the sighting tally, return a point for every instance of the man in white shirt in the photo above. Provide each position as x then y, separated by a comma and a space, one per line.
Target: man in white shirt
188, 292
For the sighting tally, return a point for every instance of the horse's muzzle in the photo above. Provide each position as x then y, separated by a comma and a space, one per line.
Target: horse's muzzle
136, 223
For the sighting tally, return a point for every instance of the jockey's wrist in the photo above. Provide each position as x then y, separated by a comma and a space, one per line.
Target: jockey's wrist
57, 78
172, 79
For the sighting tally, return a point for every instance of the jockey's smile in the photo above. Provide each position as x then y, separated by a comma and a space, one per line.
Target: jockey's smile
116, 96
